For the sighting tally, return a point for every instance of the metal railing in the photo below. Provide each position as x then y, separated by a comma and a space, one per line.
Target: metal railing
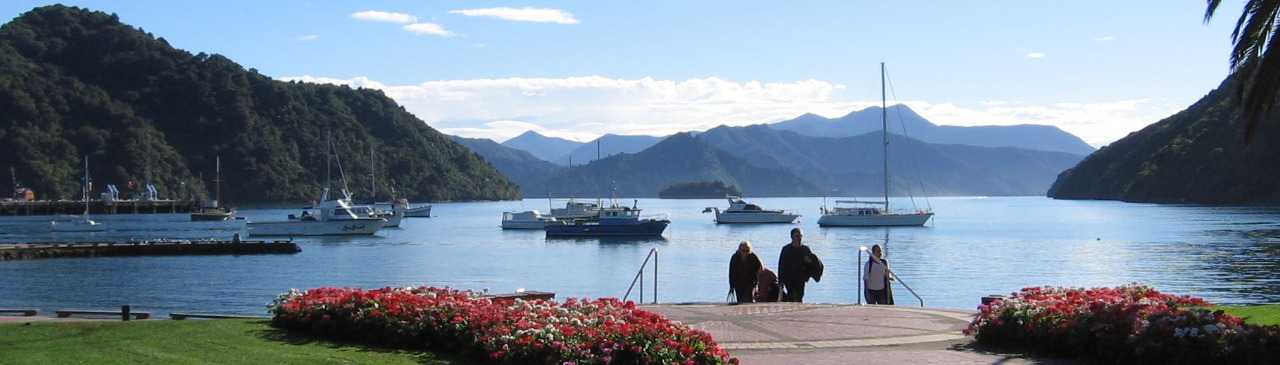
891, 275
653, 253
904, 285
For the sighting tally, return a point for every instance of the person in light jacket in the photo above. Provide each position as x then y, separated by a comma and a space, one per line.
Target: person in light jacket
876, 278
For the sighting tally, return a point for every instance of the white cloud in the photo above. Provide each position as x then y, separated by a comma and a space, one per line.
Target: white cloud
583, 108
428, 28
1035, 55
540, 15
1104, 39
382, 16
309, 37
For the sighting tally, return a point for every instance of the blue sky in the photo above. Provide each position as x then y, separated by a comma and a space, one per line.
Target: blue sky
580, 69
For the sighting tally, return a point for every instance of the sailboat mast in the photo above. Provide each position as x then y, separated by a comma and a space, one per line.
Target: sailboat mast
884, 131
217, 180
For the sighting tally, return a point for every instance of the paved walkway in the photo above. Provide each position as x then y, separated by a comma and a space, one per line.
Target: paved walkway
795, 333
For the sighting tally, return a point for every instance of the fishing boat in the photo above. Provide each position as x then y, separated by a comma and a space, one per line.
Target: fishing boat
863, 213
80, 223
211, 210
529, 219
742, 212
334, 217
611, 221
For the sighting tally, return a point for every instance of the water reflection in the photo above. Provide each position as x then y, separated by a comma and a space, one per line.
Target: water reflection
633, 241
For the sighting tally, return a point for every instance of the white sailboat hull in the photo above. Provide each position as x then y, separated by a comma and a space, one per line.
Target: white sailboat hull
353, 227
81, 225
875, 220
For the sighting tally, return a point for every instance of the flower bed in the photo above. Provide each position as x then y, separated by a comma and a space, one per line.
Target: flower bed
1127, 324
500, 331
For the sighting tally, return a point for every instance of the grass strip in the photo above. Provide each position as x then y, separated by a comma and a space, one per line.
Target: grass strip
223, 341
1256, 314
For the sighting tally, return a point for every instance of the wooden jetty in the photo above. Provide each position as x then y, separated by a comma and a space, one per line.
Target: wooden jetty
47, 250
74, 207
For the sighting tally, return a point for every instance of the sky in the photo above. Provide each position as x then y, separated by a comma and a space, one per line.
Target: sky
580, 69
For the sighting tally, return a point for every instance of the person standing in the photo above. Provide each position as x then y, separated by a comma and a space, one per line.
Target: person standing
743, 268
794, 267
877, 277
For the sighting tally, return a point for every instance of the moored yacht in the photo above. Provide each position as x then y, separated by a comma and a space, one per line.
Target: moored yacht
742, 212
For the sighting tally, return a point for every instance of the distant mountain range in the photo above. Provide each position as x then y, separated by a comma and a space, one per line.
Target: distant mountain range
1032, 137
766, 160
565, 152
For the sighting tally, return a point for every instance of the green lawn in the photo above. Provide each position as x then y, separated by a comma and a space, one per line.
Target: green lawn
1260, 314
224, 341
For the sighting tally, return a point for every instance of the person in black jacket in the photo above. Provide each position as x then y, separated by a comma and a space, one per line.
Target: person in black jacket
796, 265
743, 268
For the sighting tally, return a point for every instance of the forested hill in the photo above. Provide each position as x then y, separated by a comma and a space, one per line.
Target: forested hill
76, 83
1196, 156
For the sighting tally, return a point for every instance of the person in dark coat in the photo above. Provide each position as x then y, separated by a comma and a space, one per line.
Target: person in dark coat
743, 268
877, 277
795, 267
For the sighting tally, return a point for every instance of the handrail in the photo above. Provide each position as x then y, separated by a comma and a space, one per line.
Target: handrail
904, 285
640, 277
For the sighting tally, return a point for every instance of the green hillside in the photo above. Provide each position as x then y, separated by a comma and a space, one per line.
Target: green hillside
1195, 156
75, 83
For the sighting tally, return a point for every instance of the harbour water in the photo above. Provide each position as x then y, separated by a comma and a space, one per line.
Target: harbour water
975, 246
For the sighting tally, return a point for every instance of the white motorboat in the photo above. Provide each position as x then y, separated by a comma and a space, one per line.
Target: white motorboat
742, 212
333, 218
874, 213
401, 206
529, 219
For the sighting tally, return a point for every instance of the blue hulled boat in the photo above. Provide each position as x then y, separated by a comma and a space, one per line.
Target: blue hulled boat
612, 221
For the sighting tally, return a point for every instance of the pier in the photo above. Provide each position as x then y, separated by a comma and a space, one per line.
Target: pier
74, 207
47, 250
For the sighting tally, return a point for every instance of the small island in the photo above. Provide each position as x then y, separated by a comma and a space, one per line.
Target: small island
699, 190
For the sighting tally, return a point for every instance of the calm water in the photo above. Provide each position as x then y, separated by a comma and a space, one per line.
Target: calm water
973, 247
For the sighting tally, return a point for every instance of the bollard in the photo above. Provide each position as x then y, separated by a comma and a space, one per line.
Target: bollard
124, 312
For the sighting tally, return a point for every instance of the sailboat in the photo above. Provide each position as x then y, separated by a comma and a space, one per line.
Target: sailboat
82, 223
211, 210
862, 213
